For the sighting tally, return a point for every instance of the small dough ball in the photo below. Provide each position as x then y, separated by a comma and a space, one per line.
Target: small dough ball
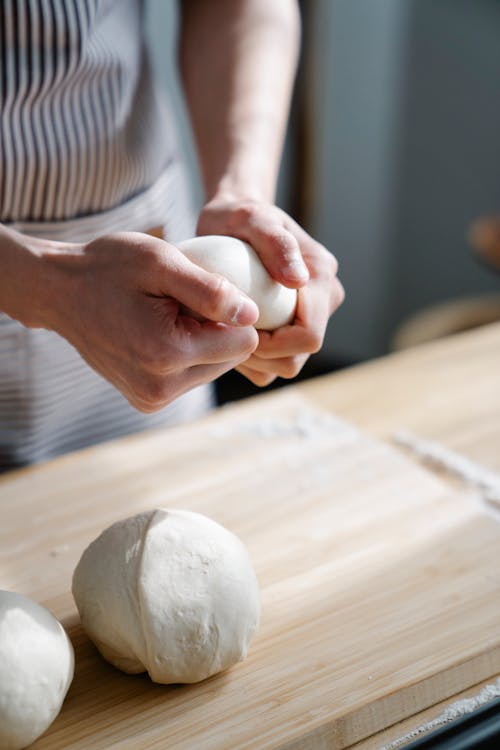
170, 592
238, 262
36, 670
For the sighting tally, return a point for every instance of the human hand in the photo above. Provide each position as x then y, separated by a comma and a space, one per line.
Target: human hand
296, 260
118, 301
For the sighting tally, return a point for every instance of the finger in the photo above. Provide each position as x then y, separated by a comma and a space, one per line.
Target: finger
306, 335
208, 373
211, 296
314, 252
289, 341
199, 343
257, 378
278, 249
155, 394
285, 367
276, 246
169, 340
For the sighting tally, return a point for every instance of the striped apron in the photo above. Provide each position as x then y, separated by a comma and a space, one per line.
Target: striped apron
87, 147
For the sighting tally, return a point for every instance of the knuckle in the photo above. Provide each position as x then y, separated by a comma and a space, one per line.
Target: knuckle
340, 296
282, 240
252, 340
154, 356
141, 406
334, 263
330, 260
263, 379
217, 291
147, 256
245, 213
256, 377
151, 357
151, 395
139, 400
313, 342
325, 260
291, 366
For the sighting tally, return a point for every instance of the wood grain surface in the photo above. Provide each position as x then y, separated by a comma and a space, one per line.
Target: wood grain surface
380, 585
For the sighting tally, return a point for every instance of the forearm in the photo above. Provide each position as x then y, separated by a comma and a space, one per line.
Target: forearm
25, 283
238, 61
35, 276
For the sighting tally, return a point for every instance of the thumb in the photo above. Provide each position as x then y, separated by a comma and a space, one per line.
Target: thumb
209, 295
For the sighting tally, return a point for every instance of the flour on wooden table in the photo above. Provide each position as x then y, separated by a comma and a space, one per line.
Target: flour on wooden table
454, 711
439, 457
305, 424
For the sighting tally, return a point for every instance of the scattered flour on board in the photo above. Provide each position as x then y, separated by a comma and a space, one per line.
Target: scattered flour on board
306, 424
60, 549
452, 712
439, 457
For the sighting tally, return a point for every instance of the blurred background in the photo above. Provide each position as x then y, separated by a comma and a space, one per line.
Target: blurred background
393, 151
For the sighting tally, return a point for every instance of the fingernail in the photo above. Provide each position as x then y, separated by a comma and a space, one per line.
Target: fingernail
296, 270
246, 313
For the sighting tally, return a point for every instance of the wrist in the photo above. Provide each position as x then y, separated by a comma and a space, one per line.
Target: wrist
243, 179
235, 197
228, 192
35, 280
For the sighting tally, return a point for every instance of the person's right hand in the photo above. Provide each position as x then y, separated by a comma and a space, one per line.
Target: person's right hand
121, 299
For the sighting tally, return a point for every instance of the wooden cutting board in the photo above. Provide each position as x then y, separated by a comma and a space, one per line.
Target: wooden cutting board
380, 583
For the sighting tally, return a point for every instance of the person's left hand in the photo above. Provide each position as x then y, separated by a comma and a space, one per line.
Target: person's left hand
295, 259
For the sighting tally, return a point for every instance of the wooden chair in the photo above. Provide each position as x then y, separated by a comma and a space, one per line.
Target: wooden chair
462, 314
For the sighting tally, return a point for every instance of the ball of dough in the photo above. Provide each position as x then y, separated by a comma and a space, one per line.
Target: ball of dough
36, 670
169, 592
238, 262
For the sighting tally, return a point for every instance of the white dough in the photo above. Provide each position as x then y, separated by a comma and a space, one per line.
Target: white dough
36, 670
238, 262
170, 592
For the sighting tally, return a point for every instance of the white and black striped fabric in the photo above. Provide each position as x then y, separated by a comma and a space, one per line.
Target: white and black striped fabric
87, 147
82, 127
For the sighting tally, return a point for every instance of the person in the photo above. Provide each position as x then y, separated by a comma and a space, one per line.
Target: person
93, 339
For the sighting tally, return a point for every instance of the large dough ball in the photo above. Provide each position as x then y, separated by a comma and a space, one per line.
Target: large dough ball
36, 669
169, 592
238, 262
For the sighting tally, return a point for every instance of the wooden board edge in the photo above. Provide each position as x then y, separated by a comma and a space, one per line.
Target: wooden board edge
392, 709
